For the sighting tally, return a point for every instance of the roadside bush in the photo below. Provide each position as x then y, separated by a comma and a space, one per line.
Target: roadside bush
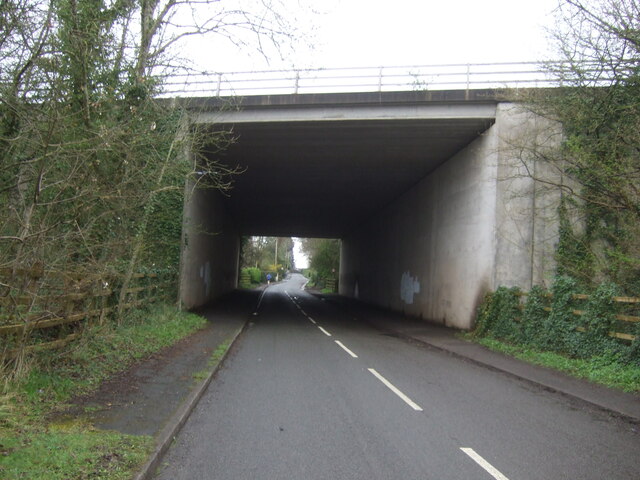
255, 274
558, 329
313, 276
533, 317
548, 321
598, 320
632, 355
484, 315
497, 314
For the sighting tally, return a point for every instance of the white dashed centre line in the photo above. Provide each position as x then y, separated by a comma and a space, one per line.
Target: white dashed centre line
312, 320
341, 345
484, 464
395, 390
324, 331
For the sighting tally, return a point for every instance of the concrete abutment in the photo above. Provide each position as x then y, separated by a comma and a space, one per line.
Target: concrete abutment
477, 222
211, 249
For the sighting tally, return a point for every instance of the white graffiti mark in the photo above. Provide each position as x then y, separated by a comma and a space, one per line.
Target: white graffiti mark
409, 286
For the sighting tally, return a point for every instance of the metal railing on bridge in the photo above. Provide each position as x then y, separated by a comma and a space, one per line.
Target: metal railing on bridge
466, 76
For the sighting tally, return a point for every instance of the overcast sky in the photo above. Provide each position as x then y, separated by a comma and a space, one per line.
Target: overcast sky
401, 32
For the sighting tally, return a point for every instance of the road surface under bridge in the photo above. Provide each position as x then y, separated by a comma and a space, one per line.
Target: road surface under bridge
423, 189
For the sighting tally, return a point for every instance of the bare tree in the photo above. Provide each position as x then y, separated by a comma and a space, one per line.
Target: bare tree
598, 157
87, 156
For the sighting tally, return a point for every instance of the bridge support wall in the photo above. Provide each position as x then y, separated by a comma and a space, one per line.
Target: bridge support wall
476, 222
211, 249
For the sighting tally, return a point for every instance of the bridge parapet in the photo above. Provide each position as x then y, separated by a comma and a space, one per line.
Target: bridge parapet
465, 77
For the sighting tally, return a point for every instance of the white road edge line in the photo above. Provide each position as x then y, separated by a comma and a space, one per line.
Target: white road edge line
324, 331
340, 344
392, 387
484, 464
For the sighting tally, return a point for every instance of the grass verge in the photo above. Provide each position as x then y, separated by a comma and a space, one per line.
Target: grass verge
215, 358
33, 448
604, 370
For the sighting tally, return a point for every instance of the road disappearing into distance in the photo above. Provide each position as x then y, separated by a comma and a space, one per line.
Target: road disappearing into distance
311, 392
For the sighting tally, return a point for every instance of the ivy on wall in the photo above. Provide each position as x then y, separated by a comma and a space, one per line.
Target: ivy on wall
547, 321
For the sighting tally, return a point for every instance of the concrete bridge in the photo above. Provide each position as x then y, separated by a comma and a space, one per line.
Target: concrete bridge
427, 191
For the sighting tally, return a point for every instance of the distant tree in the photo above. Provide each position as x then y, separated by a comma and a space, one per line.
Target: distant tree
261, 252
324, 255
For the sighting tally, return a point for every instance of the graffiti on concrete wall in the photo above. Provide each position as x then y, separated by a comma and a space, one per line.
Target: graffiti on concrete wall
409, 286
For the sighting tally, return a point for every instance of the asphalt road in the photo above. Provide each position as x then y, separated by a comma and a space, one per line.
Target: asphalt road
311, 393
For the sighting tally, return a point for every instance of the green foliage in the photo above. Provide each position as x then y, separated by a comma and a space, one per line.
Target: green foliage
313, 277
598, 320
324, 256
251, 276
573, 254
549, 326
558, 328
598, 106
256, 275
244, 280
33, 448
163, 235
497, 312
633, 354
485, 315
598, 161
78, 454
506, 302
533, 317
55, 377
606, 370
326, 284
260, 253
92, 167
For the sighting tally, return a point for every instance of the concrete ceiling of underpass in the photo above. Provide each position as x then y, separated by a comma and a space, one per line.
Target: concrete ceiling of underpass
323, 178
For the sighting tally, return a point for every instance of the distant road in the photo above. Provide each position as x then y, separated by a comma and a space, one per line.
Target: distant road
310, 393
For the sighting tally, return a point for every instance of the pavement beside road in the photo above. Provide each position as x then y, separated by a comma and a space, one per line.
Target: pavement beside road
445, 339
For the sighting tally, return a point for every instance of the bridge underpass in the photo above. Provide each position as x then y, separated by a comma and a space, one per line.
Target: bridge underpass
413, 183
